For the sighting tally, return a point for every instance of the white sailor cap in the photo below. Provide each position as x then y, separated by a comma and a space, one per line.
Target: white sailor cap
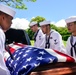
7, 10
44, 23
70, 19
33, 23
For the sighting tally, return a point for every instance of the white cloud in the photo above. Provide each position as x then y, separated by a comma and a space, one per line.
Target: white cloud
20, 23
52, 22
32, 17
61, 23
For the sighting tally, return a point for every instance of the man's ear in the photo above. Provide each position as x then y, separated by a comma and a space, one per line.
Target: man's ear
3, 17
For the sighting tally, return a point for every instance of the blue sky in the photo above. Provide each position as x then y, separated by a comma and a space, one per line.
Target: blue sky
53, 10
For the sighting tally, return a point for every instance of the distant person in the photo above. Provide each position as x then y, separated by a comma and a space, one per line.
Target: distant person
71, 42
38, 36
6, 16
53, 39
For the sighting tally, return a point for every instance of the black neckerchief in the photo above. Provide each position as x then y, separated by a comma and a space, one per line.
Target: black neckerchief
73, 47
47, 44
36, 35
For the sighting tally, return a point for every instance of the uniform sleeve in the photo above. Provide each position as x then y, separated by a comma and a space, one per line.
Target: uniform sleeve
58, 43
42, 45
3, 68
68, 46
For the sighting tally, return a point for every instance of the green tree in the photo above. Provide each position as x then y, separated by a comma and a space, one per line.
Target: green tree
53, 27
38, 19
19, 4
62, 30
30, 34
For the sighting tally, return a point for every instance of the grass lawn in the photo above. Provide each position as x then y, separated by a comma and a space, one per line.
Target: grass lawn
64, 42
32, 42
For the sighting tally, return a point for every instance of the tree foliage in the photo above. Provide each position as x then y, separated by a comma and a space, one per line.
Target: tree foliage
19, 4
38, 19
54, 27
62, 30
30, 34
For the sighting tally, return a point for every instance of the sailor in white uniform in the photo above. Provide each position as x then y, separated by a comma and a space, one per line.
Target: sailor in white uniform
6, 16
71, 42
53, 39
39, 37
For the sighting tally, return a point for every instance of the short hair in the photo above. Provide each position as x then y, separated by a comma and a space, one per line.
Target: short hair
74, 22
1, 12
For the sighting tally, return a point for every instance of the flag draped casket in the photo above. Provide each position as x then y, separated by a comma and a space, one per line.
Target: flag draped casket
29, 60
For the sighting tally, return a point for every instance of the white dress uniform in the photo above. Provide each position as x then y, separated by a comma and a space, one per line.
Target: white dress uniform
71, 42
3, 68
71, 46
40, 37
55, 41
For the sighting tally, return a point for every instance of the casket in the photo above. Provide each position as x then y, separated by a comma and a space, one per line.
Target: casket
64, 68
61, 65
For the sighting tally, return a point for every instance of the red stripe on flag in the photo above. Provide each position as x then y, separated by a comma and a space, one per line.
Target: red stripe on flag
19, 44
12, 50
4, 59
69, 59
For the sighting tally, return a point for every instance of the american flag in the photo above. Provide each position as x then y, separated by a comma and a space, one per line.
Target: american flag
27, 58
